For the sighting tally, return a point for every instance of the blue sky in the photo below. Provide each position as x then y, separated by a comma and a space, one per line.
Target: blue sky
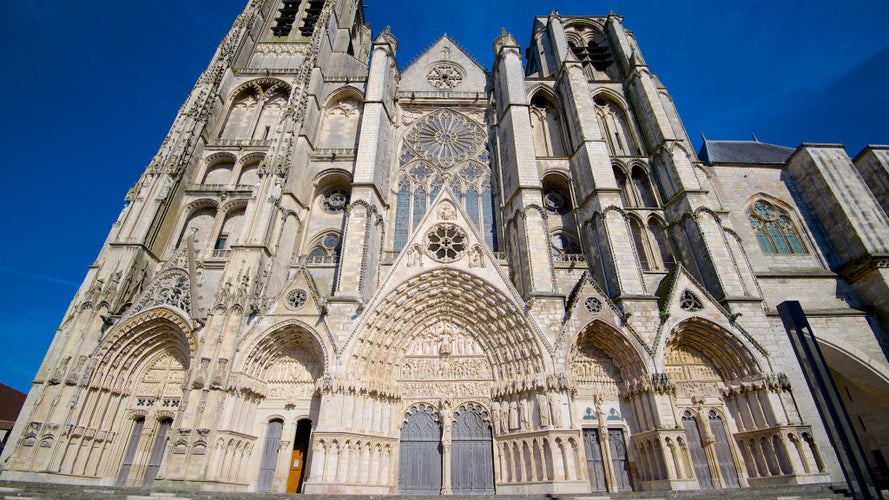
92, 87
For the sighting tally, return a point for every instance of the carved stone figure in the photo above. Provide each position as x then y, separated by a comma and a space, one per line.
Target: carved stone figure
513, 415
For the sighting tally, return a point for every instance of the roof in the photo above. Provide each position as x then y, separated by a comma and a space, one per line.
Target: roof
753, 152
11, 402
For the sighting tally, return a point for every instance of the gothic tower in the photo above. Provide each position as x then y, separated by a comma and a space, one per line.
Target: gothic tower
339, 275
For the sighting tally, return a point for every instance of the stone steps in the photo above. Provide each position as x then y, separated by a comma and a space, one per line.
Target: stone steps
51, 491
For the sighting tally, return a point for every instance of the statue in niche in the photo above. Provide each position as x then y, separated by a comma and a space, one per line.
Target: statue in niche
525, 413
475, 257
415, 256
446, 212
495, 416
555, 411
543, 408
513, 415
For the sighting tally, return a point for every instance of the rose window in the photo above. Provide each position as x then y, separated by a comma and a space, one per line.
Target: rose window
444, 76
446, 242
446, 138
335, 200
592, 305
297, 298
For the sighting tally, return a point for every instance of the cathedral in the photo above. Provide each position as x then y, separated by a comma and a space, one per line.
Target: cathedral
345, 275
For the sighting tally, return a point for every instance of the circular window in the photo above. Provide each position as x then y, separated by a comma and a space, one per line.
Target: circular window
444, 76
555, 202
690, 302
446, 138
446, 242
297, 298
334, 201
593, 305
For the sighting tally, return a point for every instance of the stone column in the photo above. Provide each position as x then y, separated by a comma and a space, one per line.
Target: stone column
446, 449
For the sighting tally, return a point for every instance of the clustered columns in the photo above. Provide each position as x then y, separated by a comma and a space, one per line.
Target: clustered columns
521, 190
362, 232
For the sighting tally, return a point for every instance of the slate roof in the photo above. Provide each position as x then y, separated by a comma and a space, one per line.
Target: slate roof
11, 402
753, 152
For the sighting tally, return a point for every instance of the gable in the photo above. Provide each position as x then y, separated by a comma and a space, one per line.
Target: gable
444, 67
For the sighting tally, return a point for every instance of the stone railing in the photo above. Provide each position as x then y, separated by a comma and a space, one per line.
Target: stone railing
221, 253
321, 259
434, 94
241, 143
779, 452
334, 153
539, 456
334, 455
569, 257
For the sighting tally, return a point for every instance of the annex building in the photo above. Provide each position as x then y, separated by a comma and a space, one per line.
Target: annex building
341, 274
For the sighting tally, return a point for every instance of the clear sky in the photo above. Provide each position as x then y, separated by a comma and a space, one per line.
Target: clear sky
92, 86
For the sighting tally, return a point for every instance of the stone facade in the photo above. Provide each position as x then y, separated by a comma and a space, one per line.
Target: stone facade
338, 276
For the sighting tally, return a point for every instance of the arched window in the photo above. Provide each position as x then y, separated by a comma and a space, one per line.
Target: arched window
546, 128
249, 175
340, 124
231, 230
441, 145
642, 185
198, 227
617, 128
621, 179
219, 173
659, 237
256, 110
774, 229
325, 249
562, 222
562, 244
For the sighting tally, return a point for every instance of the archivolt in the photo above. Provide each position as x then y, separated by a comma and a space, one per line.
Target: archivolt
468, 304
729, 355
284, 340
139, 339
626, 354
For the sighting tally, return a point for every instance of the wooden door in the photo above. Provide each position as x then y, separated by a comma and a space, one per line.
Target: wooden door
296, 470
132, 446
472, 458
157, 452
595, 466
269, 456
620, 460
419, 470
723, 452
696, 450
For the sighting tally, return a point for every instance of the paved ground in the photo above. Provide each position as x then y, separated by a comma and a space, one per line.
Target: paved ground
20, 490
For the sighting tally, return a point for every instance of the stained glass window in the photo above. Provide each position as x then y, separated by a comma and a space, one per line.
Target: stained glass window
774, 230
444, 147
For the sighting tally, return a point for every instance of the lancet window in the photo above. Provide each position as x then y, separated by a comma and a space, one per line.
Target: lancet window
774, 230
636, 190
617, 128
256, 110
444, 148
546, 127
652, 245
